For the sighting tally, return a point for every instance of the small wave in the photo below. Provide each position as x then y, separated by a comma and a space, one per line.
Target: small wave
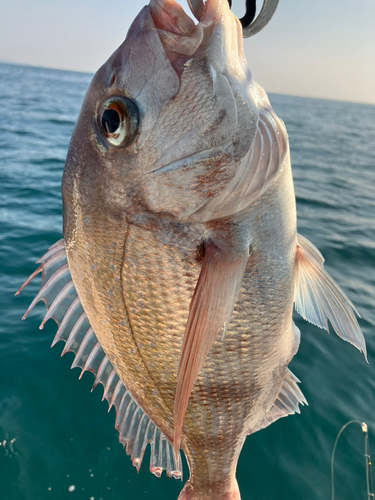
315, 202
47, 161
61, 122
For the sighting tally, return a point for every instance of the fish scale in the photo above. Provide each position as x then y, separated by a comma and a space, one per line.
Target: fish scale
167, 278
107, 310
160, 268
158, 271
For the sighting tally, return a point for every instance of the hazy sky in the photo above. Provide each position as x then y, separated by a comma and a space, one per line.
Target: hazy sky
316, 48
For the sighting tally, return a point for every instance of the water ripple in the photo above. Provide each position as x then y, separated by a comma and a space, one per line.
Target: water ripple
60, 428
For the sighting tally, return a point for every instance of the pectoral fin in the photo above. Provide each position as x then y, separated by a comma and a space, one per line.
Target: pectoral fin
319, 299
211, 309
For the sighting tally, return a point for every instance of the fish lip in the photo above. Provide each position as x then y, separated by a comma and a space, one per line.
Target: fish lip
180, 22
169, 16
180, 36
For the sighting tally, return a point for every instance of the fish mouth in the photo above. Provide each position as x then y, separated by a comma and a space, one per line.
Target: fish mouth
182, 39
170, 16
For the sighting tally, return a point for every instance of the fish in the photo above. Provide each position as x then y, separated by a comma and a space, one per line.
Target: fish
180, 263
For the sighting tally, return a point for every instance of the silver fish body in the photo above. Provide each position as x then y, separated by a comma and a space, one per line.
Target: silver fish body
181, 242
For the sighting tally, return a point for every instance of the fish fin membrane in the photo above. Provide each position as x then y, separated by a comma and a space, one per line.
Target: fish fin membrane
257, 168
135, 428
318, 298
287, 401
210, 311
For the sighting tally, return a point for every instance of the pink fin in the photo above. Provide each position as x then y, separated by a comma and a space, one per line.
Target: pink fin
287, 401
135, 428
64, 292
56, 247
255, 171
319, 299
211, 309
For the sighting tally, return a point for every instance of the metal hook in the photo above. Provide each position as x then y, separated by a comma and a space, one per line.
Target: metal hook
250, 27
250, 12
265, 16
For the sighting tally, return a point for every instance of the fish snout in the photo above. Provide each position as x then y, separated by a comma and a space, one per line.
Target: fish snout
182, 38
169, 16
178, 34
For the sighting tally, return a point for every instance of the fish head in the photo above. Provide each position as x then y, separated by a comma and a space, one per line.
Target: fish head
166, 120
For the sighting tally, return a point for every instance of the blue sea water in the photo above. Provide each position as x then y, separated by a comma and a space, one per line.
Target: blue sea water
56, 435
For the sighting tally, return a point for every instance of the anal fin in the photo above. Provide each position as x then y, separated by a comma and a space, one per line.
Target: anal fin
287, 401
319, 299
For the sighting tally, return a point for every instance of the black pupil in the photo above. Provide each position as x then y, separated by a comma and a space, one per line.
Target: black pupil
110, 121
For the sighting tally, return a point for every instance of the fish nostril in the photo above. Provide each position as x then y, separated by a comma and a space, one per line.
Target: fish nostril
201, 251
112, 81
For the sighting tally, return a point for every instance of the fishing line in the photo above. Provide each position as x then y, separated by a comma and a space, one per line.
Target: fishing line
369, 483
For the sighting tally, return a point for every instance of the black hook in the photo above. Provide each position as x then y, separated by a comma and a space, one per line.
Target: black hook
249, 16
250, 25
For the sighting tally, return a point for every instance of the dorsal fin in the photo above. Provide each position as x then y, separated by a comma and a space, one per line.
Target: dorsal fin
135, 428
319, 299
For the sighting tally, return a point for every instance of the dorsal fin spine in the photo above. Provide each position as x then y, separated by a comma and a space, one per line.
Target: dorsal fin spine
53, 279
125, 402
72, 335
168, 460
59, 246
55, 304
129, 409
89, 337
155, 454
71, 309
42, 268
115, 393
96, 355
101, 370
140, 441
132, 429
110, 386
30, 278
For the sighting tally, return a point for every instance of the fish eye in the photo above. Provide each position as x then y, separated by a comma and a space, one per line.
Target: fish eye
118, 120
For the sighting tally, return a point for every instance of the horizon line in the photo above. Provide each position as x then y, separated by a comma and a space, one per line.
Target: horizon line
27, 65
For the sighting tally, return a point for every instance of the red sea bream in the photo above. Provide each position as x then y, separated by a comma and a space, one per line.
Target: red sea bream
180, 262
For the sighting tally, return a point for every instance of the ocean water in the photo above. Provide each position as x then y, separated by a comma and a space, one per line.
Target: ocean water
57, 440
